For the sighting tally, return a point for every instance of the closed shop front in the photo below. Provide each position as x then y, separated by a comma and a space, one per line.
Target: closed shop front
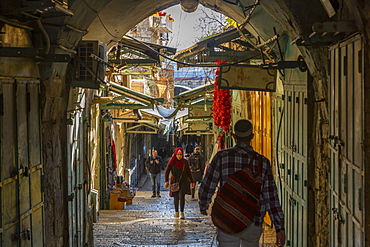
21, 172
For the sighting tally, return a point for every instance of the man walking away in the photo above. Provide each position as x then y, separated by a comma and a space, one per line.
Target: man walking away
197, 165
153, 165
162, 152
189, 148
232, 161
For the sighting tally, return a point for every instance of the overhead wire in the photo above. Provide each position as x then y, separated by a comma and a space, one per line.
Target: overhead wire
183, 16
277, 152
177, 34
97, 15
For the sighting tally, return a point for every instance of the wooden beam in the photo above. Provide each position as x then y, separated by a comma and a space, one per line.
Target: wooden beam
125, 106
133, 61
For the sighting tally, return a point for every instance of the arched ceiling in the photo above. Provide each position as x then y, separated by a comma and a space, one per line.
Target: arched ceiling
119, 16
108, 20
116, 17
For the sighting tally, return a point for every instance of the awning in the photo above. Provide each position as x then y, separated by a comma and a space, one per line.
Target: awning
204, 51
145, 53
190, 97
131, 98
140, 47
139, 121
198, 102
143, 48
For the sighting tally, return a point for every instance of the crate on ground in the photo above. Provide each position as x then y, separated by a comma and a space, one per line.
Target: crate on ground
114, 204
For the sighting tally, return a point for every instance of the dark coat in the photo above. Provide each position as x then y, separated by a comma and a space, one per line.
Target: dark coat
162, 153
189, 148
199, 157
186, 180
152, 166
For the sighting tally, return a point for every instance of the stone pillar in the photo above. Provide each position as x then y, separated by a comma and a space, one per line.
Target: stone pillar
53, 126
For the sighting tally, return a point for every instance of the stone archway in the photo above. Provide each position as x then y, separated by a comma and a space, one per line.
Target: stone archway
118, 16
108, 21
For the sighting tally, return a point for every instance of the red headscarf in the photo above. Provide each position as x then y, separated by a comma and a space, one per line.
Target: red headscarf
174, 161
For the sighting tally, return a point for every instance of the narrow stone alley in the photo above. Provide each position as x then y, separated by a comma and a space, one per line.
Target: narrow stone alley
150, 222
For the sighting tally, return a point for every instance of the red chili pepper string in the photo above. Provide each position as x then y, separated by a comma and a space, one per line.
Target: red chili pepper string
221, 104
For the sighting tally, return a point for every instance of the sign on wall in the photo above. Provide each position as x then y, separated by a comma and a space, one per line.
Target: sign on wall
247, 78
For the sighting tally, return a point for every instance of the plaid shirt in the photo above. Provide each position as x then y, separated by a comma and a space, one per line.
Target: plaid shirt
225, 163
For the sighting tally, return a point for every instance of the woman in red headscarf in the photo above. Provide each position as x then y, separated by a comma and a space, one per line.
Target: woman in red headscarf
179, 169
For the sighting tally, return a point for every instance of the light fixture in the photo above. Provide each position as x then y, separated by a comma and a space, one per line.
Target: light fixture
330, 7
189, 5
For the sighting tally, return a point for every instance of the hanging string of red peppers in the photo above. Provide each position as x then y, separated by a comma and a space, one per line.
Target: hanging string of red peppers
221, 104
221, 141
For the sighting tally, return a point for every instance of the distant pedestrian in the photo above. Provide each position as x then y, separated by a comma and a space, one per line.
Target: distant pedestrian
153, 164
241, 165
189, 148
187, 156
162, 152
180, 172
197, 165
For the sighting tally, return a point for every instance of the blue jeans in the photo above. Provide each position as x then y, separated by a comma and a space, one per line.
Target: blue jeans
156, 183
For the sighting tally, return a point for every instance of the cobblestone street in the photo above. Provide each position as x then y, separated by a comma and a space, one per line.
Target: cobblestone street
150, 222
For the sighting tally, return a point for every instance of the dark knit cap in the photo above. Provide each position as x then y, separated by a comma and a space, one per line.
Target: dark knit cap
243, 128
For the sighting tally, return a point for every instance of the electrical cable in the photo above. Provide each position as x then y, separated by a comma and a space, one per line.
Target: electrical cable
46, 35
277, 153
179, 28
97, 15
87, 164
208, 78
42, 29
183, 77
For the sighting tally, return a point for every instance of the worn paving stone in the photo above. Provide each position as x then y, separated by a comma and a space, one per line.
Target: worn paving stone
150, 222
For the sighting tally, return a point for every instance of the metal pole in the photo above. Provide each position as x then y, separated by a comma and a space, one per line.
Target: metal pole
278, 44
